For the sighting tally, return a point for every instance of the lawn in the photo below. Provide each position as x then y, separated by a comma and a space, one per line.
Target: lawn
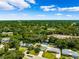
49, 55
33, 52
66, 57
22, 49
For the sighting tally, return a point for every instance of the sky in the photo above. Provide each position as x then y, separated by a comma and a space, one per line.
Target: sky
39, 9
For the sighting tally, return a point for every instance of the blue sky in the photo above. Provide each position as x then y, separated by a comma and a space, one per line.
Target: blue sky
39, 9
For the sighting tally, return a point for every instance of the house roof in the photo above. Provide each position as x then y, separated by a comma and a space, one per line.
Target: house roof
44, 45
56, 50
70, 52
6, 38
7, 32
1, 46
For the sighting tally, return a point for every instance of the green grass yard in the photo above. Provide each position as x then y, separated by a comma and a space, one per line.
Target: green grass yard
66, 57
49, 55
33, 52
22, 49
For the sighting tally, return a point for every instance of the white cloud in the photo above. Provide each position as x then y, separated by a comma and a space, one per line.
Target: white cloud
31, 1
69, 15
54, 8
13, 4
5, 6
48, 8
40, 15
69, 9
21, 4
58, 14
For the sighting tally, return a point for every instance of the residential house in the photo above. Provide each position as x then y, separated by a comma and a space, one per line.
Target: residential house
22, 44
5, 40
52, 49
69, 52
7, 33
55, 50
1, 46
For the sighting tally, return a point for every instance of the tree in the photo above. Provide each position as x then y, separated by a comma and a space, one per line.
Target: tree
61, 44
37, 50
13, 55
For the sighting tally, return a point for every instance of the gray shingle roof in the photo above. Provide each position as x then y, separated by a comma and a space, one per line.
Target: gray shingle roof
56, 50
70, 52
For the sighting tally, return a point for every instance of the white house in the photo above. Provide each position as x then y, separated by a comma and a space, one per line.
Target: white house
58, 56
55, 50
69, 52
7, 33
1, 46
22, 44
2, 49
12, 49
5, 40
40, 54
